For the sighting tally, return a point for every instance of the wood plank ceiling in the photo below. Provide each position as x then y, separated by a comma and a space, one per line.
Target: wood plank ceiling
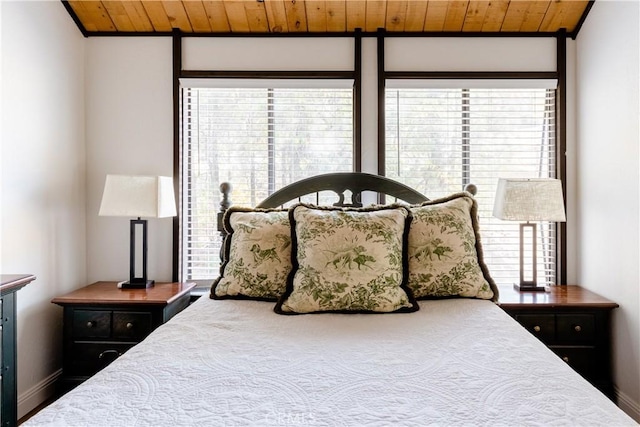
111, 17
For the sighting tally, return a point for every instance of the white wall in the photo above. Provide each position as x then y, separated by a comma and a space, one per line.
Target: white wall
129, 131
608, 190
470, 54
268, 54
43, 179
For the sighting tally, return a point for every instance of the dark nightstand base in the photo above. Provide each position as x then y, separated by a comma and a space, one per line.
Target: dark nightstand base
573, 322
101, 322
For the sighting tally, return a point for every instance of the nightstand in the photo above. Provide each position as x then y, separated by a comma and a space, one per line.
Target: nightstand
573, 322
101, 322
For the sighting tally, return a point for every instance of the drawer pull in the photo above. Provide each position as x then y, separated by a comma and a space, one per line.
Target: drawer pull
577, 328
91, 324
107, 352
537, 328
565, 358
129, 325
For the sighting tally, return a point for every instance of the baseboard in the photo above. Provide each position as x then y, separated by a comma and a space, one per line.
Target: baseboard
37, 394
630, 407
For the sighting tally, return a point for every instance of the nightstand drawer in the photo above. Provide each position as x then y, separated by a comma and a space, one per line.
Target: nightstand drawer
91, 324
131, 325
582, 359
575, 328
542, 326
88, 358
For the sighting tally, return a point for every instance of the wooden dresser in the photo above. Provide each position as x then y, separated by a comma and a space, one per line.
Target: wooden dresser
573, 322
101, 322
10, 284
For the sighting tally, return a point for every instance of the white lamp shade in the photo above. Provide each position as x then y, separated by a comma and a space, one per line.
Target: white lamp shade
534, 199
138, 196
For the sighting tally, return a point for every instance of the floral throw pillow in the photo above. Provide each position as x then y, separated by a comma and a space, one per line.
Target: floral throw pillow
256, 255
445, 254
348, 261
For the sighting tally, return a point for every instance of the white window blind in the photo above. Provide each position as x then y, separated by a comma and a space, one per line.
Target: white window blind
438, 140
259, 140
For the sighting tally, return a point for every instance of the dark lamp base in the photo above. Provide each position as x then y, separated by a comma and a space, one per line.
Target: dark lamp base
530, 288
136, 284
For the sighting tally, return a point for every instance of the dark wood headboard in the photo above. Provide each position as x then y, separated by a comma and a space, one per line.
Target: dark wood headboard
339, 183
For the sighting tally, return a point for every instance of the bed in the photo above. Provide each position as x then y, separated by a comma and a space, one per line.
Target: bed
241, 359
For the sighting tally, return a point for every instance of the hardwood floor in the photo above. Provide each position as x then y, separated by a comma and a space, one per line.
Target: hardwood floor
38, 409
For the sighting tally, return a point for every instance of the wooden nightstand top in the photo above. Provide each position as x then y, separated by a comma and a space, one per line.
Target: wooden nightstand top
558, 296
13, 282
102, 293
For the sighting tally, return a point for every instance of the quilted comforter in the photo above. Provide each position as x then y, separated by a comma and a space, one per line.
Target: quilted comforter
237, 363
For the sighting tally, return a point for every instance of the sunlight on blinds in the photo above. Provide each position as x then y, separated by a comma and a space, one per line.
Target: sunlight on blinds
438, 140
259, 140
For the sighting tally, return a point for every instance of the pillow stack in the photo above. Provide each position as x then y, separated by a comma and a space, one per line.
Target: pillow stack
380, 259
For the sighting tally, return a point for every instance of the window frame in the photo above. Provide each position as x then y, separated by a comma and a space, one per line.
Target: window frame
443, 135
560, 75
560, 127
268, 103
179, 73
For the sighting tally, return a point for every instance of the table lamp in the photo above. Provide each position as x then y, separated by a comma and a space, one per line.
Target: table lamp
530, 199
138, 196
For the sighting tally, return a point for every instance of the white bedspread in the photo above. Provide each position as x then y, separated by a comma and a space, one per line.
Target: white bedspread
236, 363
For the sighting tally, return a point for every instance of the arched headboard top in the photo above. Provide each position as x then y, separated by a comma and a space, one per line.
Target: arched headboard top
339, 183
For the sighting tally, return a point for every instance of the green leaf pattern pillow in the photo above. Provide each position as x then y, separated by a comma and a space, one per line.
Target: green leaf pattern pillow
445, 254
348, 260
257, 255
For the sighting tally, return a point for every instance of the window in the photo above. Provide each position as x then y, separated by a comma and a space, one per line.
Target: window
438, 140
259, 140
